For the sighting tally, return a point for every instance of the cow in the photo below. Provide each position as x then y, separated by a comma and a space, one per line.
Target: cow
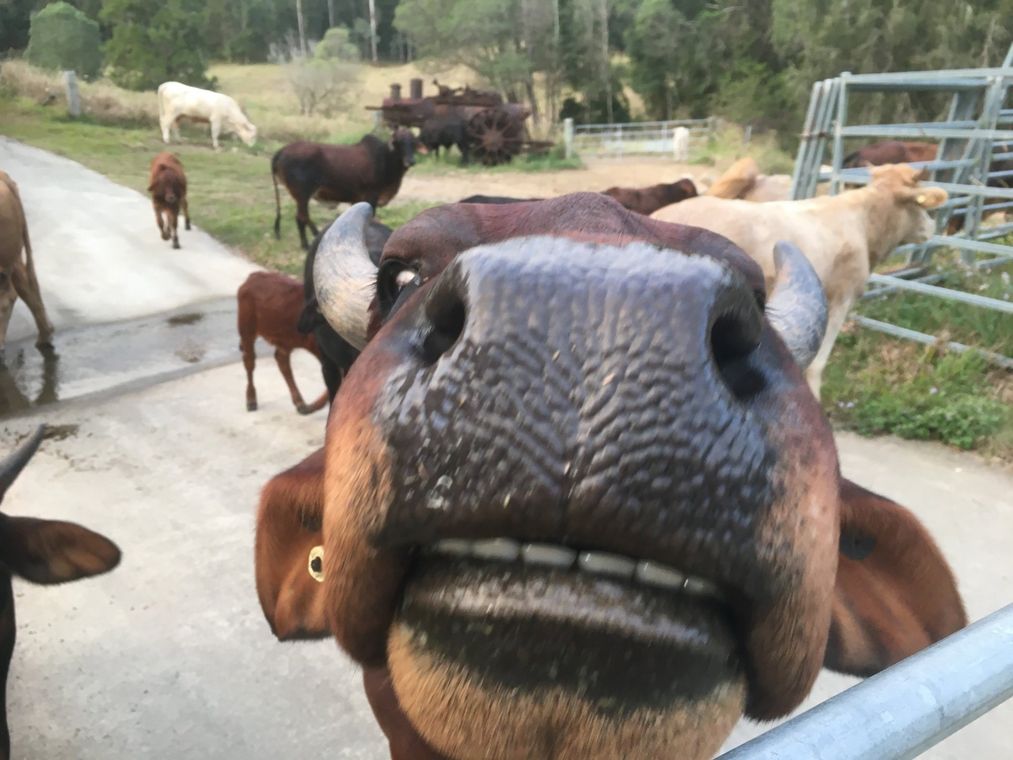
39, 551
890, 152
178, 101
370, 171
17, 274
336, 353
744, 180
270, 305
647, 200
445, 132
844, 236
167, 185
576, 499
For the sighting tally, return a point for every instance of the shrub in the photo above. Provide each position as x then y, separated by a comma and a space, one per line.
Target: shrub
155, 42
61, 37
336, 46
322, 86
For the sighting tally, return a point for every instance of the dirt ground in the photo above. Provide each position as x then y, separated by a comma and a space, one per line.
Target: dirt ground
598, 174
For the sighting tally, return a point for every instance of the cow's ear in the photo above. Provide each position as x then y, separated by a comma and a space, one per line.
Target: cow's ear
52, 551
288, 530
895, 594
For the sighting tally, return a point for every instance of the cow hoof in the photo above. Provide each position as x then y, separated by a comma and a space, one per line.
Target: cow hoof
188, 224
251, 406
45, 345
303, 409
175, 244
166, 236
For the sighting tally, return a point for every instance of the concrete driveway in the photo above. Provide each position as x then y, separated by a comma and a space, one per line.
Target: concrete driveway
169, 655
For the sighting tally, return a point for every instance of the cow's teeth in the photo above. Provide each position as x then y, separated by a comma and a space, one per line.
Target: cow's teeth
457, 547
496, 548
549, 555
602, 563
653, 574
699, 587
593, 562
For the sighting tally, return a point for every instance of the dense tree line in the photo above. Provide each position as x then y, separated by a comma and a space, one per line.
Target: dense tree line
749, 60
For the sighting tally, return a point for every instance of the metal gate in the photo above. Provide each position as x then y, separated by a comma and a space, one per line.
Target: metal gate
976, 133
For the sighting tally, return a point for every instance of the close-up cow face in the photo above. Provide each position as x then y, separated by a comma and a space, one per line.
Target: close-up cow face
578, 501
900, 182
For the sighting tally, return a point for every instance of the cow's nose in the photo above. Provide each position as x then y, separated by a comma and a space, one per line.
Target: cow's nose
551, 305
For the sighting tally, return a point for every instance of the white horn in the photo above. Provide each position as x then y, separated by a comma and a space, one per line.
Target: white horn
797, 306
344, 276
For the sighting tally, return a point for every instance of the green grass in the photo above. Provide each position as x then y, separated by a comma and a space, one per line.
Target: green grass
231, 194
877, 384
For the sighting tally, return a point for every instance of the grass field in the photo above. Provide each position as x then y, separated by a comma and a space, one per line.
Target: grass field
873, 384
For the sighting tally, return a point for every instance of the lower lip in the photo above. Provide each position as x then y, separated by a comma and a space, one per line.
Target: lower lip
528, 625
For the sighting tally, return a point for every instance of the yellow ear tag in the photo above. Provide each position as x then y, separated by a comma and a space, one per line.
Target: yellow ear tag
921, 199
316, 564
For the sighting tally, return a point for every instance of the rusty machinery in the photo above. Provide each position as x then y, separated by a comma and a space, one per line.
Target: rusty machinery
495, 129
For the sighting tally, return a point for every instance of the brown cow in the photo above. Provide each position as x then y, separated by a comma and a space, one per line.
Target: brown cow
369, 171
891, 152
579, 502
43, 552
17, 275
167, 185
647, 200
270, 305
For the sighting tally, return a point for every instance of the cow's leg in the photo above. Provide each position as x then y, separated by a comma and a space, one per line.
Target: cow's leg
33, 300
175, 129
216, 129
835, 321
302, 219
173, 223
186, 210
163, 229
332, 376
316, 405
165, 122
282, 356
247, 343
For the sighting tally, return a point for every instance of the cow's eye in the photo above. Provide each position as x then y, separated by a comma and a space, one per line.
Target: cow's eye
394, 283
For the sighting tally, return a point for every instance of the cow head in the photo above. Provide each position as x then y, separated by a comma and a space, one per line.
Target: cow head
577, 500
908, 222
402, 142
246, 130
39, 551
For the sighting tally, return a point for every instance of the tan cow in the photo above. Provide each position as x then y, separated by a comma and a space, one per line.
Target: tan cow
744, 180
17, 275
844, 236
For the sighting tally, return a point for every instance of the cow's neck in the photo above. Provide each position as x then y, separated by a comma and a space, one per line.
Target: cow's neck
882, 231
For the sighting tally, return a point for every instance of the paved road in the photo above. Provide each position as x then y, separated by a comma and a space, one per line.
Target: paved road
169, 656
98, 253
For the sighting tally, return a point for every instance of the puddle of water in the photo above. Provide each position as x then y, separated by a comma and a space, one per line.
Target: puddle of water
185, 319
18, 370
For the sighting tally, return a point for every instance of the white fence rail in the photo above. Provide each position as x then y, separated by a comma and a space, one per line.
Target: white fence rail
681, 139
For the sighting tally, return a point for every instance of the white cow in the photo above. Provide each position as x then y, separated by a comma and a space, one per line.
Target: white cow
179, 101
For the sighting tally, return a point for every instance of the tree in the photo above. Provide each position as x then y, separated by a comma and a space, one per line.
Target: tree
155, 42
62, 37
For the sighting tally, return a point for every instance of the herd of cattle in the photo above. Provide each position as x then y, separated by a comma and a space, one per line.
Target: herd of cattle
577, 496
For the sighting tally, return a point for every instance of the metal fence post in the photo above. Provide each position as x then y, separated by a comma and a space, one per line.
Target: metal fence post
73, 95
568, 137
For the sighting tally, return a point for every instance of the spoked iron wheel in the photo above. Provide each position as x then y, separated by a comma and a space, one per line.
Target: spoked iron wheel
495, 136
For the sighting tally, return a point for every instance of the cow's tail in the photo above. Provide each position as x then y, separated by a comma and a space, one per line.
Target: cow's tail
277, 196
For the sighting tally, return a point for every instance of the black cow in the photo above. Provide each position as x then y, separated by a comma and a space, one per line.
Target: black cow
336, 354
369, 171
445, 132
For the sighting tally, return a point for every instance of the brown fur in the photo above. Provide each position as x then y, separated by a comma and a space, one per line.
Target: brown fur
17, 275
844, 236
269, 306
431, 705
646, 200
891, 152
288, 527
167, 185
737, 180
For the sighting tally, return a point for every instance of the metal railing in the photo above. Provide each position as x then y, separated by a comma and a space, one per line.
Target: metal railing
906, 709
975, 136
639, 138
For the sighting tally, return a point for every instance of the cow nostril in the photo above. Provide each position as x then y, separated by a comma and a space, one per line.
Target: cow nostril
732, 342
446, 323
